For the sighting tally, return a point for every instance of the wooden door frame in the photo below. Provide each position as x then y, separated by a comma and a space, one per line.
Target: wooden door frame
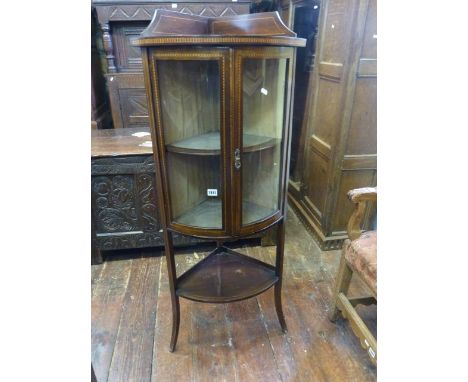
239, 55
221, 55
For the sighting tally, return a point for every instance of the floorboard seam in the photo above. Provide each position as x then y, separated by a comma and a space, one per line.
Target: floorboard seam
265, 325
193, 322
153, 361
262, 316
120, 320
97, 279
228, 324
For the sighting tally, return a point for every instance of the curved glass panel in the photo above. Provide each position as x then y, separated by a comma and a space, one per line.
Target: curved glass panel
190, 107
264, 85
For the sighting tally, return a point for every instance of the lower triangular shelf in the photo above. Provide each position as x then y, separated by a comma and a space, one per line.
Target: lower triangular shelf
225, 276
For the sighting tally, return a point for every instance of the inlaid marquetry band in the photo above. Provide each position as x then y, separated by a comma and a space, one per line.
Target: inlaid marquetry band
209, 55
256, 53
220, 40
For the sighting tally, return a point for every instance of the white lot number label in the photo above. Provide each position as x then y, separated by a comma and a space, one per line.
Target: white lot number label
212, 192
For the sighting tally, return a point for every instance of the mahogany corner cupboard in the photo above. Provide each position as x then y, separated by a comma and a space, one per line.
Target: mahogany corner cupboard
219, 96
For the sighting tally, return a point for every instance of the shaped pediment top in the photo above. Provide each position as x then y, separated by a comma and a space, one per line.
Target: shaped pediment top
170, 23
174, 28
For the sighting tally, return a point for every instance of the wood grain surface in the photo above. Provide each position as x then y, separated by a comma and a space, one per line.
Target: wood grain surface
241, 341
115, 142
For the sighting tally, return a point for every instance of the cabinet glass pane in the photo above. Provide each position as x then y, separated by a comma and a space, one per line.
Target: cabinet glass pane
190, 105
264, 83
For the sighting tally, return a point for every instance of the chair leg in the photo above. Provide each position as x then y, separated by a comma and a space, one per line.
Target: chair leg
359, 328
343, 280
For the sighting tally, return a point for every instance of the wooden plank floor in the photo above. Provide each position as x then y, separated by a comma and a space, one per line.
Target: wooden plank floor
131, 322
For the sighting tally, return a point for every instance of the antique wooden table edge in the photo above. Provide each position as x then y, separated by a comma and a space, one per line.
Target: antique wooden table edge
124, 209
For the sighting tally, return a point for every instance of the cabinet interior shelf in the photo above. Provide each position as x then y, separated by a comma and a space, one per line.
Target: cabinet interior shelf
210, 144
225, 276
208, 214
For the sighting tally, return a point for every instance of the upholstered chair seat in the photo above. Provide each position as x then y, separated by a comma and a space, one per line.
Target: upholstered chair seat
361, 255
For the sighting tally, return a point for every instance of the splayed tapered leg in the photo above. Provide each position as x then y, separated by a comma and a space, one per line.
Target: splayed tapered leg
175, 323
171, 270
279, 308
279, 272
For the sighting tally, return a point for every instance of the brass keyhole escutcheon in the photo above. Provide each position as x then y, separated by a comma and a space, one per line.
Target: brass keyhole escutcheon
237, 159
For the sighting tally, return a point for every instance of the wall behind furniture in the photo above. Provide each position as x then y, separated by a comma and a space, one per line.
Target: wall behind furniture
302, 17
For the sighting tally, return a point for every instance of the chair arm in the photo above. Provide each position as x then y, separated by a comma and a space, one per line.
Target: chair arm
363, 194
359, 196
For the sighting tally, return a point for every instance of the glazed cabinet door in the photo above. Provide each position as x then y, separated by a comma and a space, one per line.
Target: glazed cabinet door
263, 82
189, 97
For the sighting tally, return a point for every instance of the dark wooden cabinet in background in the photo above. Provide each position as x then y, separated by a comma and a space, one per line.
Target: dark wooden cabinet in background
100, 113
121, 22
340, 148
301, 17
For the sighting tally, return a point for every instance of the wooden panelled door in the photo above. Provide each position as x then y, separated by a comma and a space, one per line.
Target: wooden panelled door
340, 153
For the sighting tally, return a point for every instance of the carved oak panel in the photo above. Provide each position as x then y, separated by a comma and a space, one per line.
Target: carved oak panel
115, 205
128, 57
128, 99
127, 12
134, 107
124, 204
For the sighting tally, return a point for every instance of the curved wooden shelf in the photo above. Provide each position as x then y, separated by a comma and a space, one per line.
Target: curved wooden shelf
210, 144
208, 214
225, 276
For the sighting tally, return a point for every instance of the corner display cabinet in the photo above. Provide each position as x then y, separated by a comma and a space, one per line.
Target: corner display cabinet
219, 98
